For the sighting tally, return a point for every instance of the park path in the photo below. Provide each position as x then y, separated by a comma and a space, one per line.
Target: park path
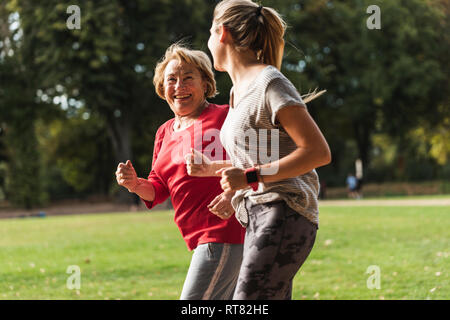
386, 202
108, 207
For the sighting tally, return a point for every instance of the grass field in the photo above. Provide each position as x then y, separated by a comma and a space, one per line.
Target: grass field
142, 255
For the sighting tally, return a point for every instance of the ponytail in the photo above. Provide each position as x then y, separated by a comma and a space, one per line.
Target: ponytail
252, 27
256, 28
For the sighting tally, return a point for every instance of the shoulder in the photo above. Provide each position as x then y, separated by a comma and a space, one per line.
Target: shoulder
217, 109
270, 73
279, 85
276, 78
162, 129
215, 116
273, 79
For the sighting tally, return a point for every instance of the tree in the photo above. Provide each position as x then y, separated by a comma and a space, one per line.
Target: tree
106, 65
386, 80
18, 110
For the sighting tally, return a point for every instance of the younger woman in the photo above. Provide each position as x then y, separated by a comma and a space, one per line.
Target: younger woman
275, 200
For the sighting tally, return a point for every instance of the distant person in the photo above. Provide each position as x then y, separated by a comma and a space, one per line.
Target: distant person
184, 78
351, 185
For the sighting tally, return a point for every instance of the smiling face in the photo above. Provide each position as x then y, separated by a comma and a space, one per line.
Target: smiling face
184, 87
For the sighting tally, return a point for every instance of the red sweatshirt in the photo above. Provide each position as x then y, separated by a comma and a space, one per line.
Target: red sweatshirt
191, 195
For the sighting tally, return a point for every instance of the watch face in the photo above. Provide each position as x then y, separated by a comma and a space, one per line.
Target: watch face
252, 176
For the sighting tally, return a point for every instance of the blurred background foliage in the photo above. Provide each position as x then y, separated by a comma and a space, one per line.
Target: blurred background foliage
74, 103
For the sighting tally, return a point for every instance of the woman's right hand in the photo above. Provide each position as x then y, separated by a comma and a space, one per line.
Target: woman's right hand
199, 165
126, 176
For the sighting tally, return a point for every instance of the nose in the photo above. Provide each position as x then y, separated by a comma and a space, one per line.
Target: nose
179, 84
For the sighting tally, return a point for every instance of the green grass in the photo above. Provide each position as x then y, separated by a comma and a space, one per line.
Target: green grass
412, 197
142, 255
411, 245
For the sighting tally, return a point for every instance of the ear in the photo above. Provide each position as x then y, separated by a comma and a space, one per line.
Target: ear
223, 33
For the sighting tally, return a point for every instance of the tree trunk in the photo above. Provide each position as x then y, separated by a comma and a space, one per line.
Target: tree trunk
25, 184
362, 136
119, 130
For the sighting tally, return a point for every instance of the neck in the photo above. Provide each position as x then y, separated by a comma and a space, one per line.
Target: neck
239, 66
194, 114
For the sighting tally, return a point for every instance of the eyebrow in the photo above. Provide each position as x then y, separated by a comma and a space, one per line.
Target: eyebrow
185, 73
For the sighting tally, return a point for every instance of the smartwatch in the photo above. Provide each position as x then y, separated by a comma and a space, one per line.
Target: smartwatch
252, 178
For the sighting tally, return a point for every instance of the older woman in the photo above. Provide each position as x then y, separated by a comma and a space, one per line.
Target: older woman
184, 78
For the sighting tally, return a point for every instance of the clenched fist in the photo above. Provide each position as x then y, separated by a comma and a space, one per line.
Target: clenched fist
126, 176
198, 165
233, 179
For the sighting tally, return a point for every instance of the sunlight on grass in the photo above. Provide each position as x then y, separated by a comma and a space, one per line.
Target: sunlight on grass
142, 255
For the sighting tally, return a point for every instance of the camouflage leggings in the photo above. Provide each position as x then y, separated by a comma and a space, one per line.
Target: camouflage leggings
277, 242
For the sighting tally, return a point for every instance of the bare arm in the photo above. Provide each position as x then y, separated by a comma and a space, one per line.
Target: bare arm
144, 189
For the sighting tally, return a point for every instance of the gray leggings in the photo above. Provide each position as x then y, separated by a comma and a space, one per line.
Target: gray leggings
213, 272
277, 242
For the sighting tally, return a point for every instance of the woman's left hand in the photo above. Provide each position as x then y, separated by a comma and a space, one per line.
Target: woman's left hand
232, 179
221, 205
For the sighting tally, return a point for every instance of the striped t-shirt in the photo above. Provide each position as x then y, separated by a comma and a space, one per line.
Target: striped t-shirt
252, 136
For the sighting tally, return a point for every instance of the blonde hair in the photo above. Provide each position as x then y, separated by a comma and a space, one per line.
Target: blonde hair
252, 27
259, 29
197, 58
